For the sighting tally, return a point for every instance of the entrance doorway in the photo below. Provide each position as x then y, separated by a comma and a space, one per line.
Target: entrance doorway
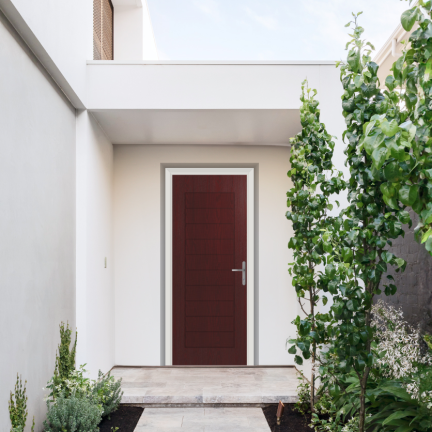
209, 297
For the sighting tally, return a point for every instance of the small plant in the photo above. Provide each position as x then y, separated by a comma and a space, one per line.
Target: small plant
65, 362
108, 392
76, 384
326, 417
72, 414
303, 391
18, 408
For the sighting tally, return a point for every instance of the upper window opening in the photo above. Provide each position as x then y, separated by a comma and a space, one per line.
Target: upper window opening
103, 30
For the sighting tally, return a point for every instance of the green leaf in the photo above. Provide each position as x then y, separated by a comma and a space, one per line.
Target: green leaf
379, 156
404, 217
389, 82
389, 128
373, 141
292, 350
392, 171
298, 360
354, 60
387, 256
428, 72
352, 305
426, 235
428, 245
324, 300
347, 255
330, 271
408, 194
408, 18
398, 415
354, 339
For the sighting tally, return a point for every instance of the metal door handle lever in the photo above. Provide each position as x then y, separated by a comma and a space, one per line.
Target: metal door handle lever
243, 270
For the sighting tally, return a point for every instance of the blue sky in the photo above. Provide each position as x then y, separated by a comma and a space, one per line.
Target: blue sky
266, 29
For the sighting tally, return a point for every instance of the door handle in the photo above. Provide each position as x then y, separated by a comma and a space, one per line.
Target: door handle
243, 270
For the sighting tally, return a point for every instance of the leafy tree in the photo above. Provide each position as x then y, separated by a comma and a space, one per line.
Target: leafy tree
409, 168
309, 199
359, 258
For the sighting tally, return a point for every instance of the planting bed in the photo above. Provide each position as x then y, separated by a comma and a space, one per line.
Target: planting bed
125, 418
291, 420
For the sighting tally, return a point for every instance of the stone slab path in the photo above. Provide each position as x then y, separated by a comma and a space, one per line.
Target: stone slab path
202, 420
212, 386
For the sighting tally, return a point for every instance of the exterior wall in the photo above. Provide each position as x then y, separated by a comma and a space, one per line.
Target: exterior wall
206, 85
65, 31
37, 222
414, 294
138, 243
133, 32
95, 289
128, 33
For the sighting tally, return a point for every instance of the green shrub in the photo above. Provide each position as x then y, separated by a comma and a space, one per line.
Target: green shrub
18, 408
303, 391
108, 392
75, 385
65, 362
73, 414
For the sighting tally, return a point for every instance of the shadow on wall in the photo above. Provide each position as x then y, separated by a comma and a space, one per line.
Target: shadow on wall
414, 286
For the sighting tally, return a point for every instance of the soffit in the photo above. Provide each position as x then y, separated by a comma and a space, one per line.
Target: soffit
205, 127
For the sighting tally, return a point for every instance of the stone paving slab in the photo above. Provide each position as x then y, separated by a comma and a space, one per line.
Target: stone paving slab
153, 386
202, 420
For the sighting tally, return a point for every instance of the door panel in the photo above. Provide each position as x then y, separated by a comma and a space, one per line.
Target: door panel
209, 240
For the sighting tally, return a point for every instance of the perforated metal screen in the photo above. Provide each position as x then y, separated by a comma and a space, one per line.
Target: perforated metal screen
103, 30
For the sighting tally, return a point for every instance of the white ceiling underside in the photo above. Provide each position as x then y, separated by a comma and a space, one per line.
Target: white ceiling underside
221, 127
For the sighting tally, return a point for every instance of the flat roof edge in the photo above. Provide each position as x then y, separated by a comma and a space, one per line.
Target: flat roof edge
217, 62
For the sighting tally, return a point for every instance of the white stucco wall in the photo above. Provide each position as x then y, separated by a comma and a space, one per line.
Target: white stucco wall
133, 32
137, 246
95, 289
64, 29
37, 223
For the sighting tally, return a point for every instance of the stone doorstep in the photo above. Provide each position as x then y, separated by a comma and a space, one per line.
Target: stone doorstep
208, 387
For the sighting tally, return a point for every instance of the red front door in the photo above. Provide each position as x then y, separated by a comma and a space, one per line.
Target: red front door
209, 241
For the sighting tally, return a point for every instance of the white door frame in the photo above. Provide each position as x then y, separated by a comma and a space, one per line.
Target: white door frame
249, 172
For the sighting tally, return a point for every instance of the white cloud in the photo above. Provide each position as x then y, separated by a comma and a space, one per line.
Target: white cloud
208, 7
268, 22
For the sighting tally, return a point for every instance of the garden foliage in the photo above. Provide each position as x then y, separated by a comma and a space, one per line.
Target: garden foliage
108, 392
314, 181
359, 255
409, 161
72, 414
76, 403
65, 363
18, 407
377, 371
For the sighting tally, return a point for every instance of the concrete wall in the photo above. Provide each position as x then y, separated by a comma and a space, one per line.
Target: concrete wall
65, 31
37, 222
138, 238
133, 32
414, 286
95, 289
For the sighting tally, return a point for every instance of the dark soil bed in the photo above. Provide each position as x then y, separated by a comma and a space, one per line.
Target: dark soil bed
125, 418
291, 420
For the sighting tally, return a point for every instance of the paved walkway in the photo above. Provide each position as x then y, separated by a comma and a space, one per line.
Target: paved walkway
202, 420
207, 386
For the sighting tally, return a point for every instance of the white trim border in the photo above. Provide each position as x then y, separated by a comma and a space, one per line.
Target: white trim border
250, 265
